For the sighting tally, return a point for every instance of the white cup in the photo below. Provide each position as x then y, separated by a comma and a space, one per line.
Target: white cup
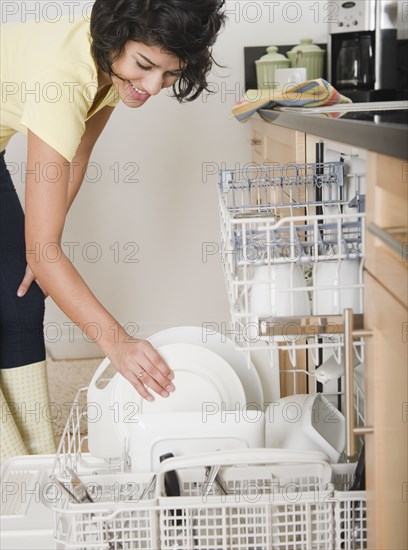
334, 282
272, 292
277, 290
285, 77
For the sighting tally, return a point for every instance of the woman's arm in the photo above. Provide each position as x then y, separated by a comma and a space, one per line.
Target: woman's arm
93, 129
47, 200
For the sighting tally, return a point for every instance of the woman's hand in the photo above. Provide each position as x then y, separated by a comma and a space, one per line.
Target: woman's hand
25, 284
140, 363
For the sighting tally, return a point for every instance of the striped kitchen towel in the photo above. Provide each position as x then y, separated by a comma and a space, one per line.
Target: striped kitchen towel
313, 93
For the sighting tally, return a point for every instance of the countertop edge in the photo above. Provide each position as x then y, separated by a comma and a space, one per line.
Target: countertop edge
387, 139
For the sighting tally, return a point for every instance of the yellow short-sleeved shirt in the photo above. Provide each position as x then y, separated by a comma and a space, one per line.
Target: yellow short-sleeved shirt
48, 82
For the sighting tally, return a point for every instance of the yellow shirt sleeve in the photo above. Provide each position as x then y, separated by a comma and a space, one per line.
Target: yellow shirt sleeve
55, 107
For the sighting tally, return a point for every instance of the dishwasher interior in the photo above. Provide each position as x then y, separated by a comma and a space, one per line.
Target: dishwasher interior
293, 253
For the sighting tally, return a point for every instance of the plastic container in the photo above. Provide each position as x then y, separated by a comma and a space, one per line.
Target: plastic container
306, 422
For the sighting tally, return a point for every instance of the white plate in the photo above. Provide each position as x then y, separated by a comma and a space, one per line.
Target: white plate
222, 346
203, 381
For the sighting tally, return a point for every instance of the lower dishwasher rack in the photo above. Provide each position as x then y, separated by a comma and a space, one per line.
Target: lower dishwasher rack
301, 514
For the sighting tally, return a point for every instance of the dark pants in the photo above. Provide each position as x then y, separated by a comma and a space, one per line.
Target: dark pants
21, 319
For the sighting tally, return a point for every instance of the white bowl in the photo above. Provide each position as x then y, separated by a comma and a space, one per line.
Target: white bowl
334, 292
306, 422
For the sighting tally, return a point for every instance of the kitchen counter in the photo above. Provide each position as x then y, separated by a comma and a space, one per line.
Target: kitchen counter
383, 132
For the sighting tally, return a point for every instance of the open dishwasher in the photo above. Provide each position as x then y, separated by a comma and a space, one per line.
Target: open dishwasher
295, 216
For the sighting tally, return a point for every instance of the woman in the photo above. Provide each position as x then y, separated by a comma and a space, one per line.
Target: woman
60, 83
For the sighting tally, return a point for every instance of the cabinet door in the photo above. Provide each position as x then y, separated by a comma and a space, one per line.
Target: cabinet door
276, 144
387, 208
387, 412
257, 141
283, 145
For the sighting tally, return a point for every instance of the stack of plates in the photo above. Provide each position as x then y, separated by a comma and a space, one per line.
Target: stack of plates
208, 410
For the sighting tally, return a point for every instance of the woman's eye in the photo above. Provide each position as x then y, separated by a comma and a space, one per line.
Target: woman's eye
143, 66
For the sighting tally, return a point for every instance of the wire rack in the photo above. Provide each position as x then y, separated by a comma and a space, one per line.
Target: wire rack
292, 245
268, 506
270, 188
293, 249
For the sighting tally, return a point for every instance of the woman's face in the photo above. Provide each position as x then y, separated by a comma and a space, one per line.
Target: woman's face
145, 71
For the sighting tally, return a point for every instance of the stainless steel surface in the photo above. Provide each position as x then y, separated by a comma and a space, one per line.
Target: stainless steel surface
386, 20
348, 107
388, 238
382, 136
77, 483
218, 481
363, 45
351, 430
211, 474
363, 430
149, 487
351, 449
360, 17
65, 489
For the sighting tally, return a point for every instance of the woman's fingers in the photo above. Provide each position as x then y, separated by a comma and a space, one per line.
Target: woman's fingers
152, 377
157, 361
26, 282
139, 386
147, 370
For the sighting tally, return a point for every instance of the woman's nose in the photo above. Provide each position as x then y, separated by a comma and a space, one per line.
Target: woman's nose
153, 83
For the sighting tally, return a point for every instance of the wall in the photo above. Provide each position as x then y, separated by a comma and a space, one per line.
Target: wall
150, 191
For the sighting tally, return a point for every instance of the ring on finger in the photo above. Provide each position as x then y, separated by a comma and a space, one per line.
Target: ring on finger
140, 374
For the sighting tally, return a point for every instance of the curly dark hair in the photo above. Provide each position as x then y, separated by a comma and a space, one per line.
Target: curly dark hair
185, 28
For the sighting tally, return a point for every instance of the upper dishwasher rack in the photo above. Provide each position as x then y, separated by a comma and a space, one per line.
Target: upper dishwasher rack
268, 188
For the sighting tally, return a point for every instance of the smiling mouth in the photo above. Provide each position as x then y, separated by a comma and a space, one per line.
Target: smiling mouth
137, 93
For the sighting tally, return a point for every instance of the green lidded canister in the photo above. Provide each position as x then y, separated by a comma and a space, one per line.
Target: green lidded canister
308, 55
266, 66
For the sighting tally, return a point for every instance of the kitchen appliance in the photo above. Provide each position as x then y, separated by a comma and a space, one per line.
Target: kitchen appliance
363, 49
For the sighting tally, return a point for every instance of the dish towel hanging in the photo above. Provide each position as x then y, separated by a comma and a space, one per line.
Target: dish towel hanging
313, 93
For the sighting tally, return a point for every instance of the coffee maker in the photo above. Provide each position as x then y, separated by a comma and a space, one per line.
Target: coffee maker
363, 49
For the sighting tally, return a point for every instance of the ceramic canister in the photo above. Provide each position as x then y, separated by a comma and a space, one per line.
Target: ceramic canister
266, 65
308, 55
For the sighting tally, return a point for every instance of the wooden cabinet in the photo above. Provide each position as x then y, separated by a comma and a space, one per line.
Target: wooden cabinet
387, 446
274, 144
386, 288
386, 314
